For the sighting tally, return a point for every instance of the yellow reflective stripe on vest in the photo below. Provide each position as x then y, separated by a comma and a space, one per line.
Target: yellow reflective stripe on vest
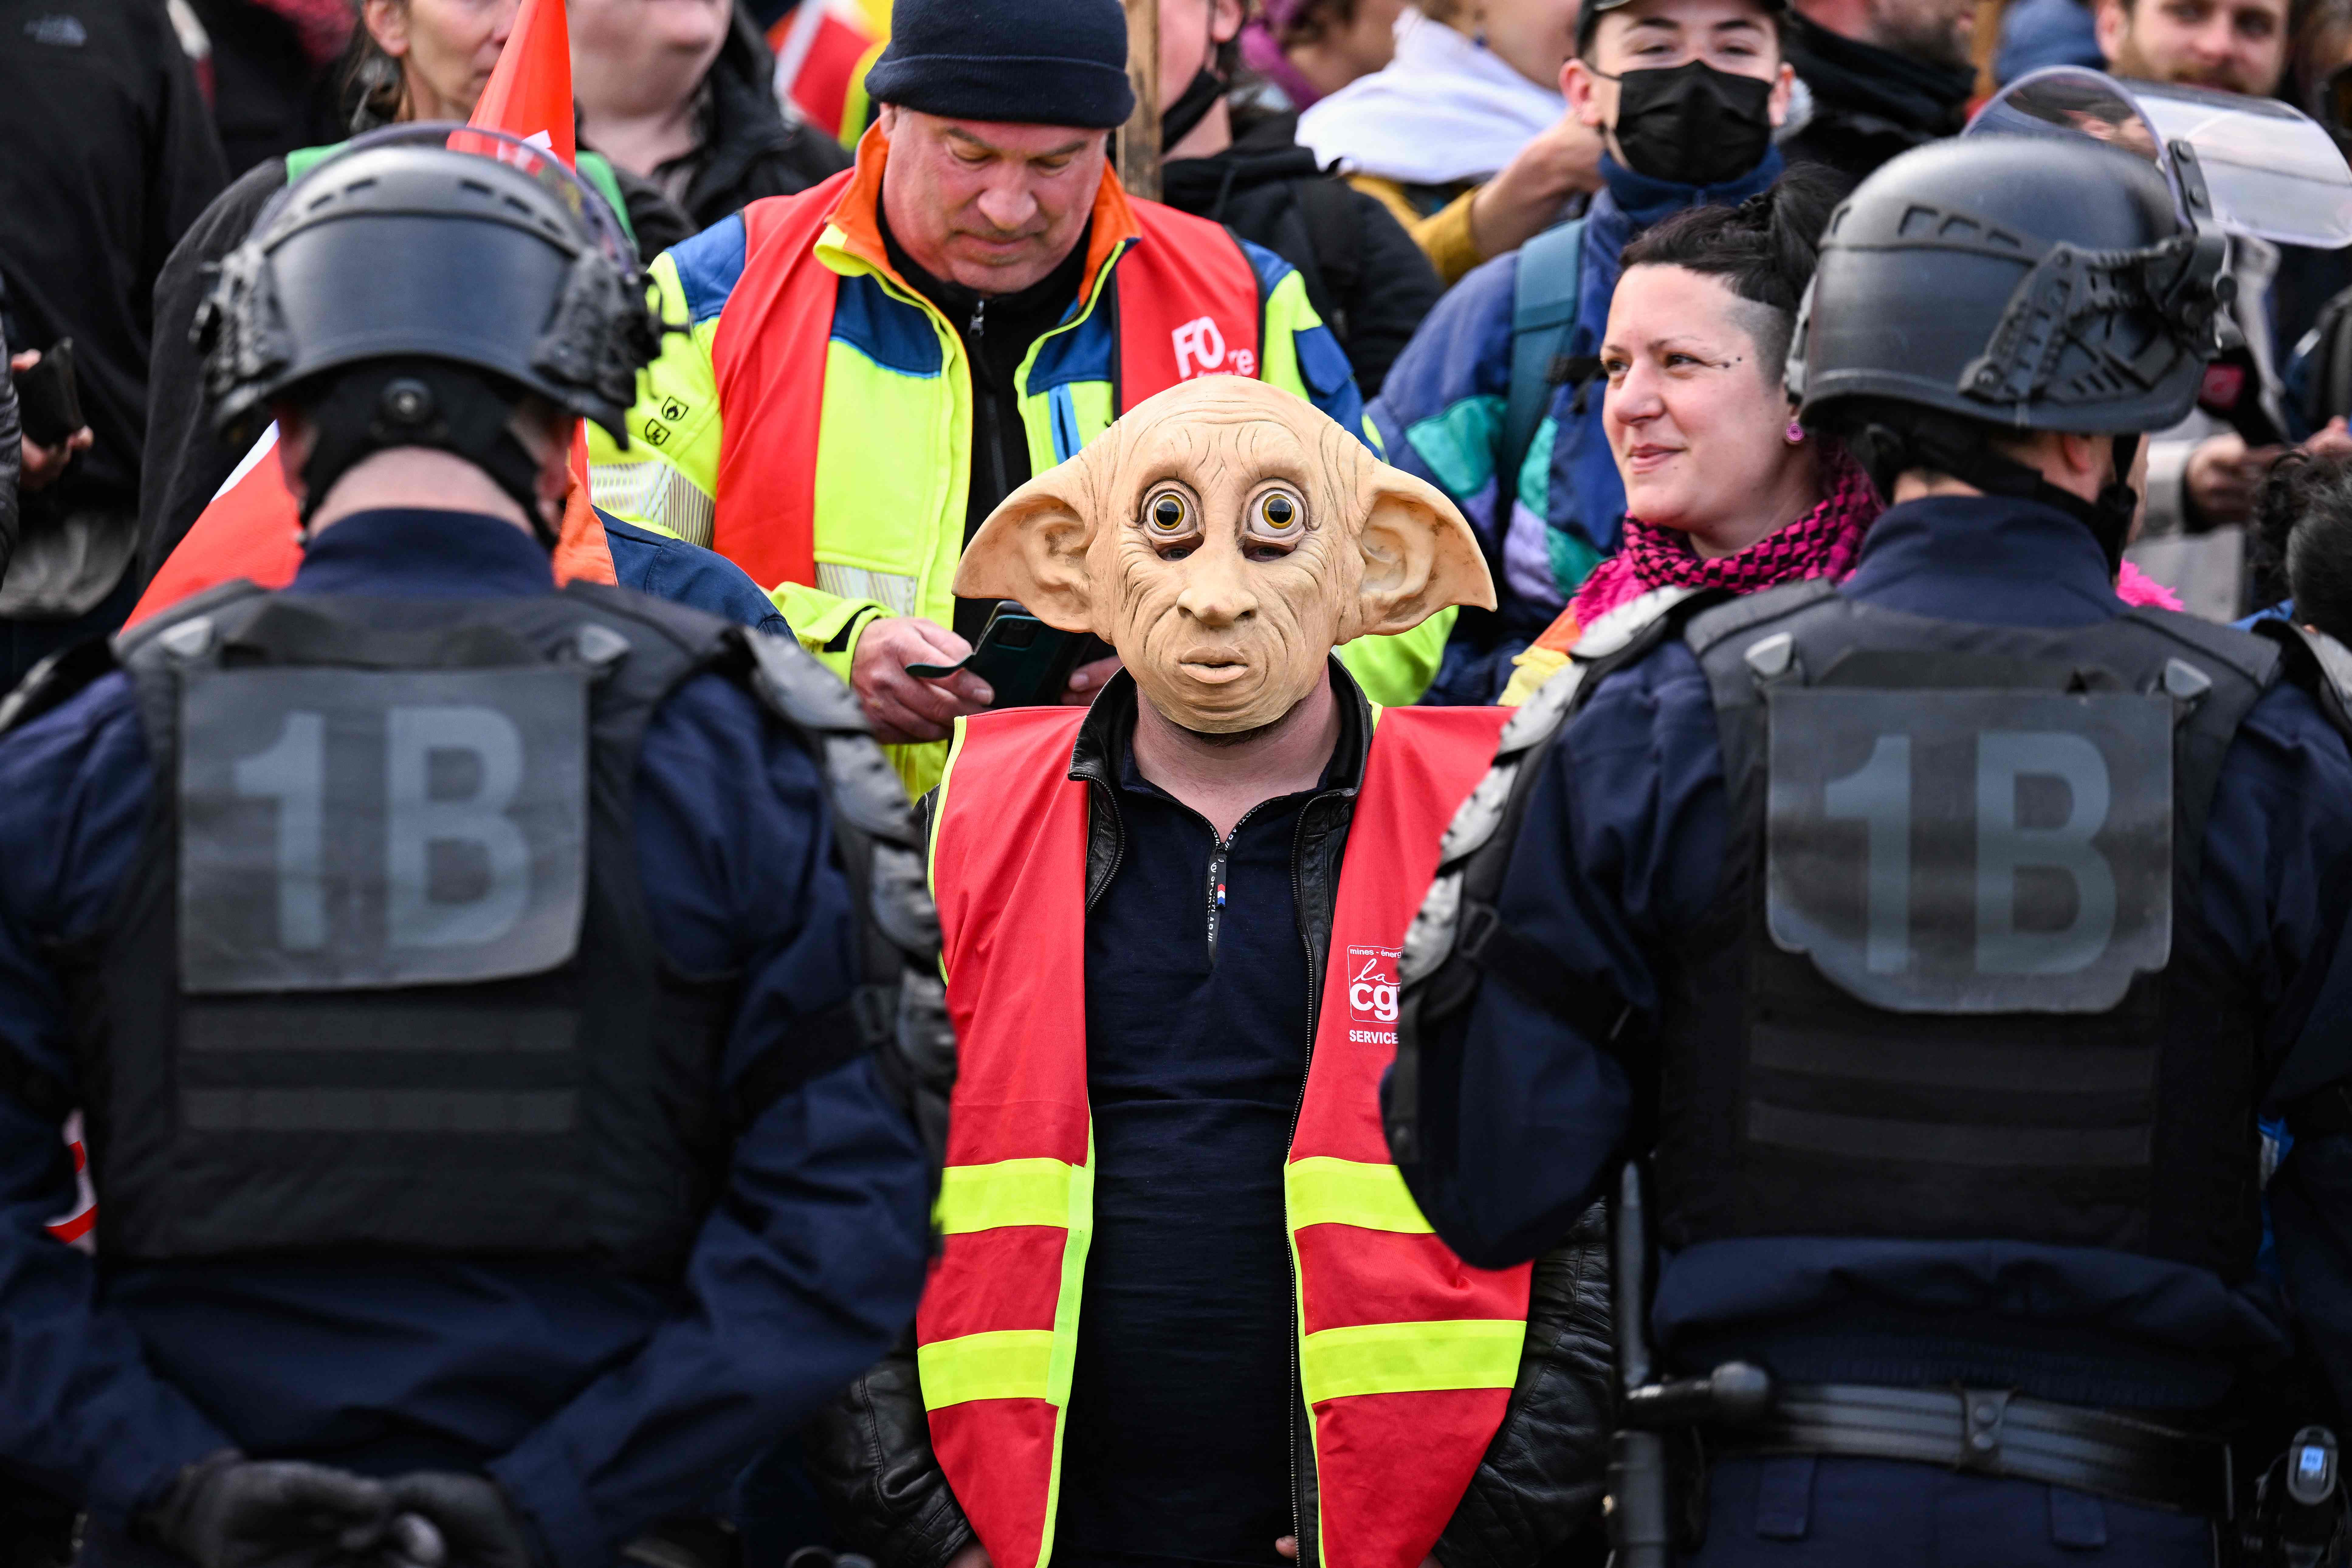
1322, 1190
1009, 1364
1010, 1192
1411, 1358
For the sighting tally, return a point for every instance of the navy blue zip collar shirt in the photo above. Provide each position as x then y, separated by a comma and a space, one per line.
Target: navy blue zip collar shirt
1620, 855
601, 1404
1197, 1019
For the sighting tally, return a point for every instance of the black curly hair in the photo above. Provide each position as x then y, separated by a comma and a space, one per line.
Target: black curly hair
2302, 541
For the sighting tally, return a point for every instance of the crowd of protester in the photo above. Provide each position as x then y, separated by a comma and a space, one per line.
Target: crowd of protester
1473, 124
1330, 132
1422, 171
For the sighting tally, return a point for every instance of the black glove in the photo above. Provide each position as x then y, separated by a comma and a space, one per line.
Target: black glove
476, 1526
229, 1512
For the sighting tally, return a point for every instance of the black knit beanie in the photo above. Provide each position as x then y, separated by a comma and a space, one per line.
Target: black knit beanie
1032, 62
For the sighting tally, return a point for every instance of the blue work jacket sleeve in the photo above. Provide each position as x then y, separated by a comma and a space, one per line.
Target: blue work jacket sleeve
810, 1264
684, 573
80, 1412
1623, 842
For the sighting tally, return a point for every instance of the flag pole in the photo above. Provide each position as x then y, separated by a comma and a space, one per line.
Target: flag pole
1136, 149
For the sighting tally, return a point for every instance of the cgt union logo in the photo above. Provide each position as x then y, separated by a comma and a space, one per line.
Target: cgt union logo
1200, 351
1372, 987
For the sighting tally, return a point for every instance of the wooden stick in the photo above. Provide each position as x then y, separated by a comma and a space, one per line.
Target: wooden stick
1136, 149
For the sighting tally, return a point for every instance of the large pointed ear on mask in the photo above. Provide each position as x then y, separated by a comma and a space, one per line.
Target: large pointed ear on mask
1419, 555
1033, 547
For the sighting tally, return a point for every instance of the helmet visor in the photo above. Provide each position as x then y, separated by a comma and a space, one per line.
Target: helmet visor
2271, 171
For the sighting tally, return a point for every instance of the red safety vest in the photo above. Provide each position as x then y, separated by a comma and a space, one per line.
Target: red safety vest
1407, 1353
1186, 300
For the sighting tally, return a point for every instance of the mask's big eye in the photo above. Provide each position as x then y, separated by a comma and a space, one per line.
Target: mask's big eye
1273, 523
1166, 515
1171, 522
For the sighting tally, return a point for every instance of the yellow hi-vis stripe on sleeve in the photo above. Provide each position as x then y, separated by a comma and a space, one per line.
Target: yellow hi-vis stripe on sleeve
1322, 1190
1010, 1192
1009, 1364
1411, 1358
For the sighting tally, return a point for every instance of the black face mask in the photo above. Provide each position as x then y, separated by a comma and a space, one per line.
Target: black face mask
1694, 124
1192, 106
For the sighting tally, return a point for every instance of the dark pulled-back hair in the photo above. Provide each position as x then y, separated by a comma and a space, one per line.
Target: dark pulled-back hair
2303, 548
369, 85
1764, 250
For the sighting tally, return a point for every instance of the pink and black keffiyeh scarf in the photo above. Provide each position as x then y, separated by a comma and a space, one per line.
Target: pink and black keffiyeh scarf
1824, 542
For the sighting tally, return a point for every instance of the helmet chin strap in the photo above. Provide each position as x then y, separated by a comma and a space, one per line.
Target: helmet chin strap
388, 404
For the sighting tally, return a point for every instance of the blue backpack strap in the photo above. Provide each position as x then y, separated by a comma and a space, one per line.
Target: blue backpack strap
1543, 314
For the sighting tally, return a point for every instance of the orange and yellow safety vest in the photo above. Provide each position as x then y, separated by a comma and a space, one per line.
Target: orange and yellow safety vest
1407, 1354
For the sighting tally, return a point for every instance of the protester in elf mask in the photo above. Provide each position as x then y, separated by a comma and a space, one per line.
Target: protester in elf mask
1165, 1107
1687, 94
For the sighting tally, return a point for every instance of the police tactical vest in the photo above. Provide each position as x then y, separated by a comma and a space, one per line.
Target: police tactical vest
1955, 982
382, 974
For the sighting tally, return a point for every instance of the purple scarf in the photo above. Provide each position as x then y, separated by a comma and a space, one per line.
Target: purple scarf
1262, 53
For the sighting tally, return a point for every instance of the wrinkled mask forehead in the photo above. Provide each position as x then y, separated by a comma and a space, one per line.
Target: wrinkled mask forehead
1225, 449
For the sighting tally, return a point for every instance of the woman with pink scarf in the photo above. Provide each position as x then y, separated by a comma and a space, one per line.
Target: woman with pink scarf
1723, 488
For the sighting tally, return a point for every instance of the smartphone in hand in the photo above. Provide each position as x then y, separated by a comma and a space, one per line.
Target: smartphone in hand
1025, 662
48, 400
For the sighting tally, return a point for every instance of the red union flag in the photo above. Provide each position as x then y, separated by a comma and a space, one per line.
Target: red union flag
252, 529
530, 94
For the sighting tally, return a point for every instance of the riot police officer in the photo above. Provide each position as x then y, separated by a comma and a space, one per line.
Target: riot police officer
1933, 938
495, 1010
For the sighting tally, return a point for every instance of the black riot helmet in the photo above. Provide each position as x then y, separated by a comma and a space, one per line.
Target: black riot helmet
412, 290
1999, 284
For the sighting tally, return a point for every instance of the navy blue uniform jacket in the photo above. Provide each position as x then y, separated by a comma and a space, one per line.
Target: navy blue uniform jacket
1622, 848
601, 1404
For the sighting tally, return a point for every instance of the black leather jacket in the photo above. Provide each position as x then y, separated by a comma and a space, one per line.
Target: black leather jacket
1536, 1496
